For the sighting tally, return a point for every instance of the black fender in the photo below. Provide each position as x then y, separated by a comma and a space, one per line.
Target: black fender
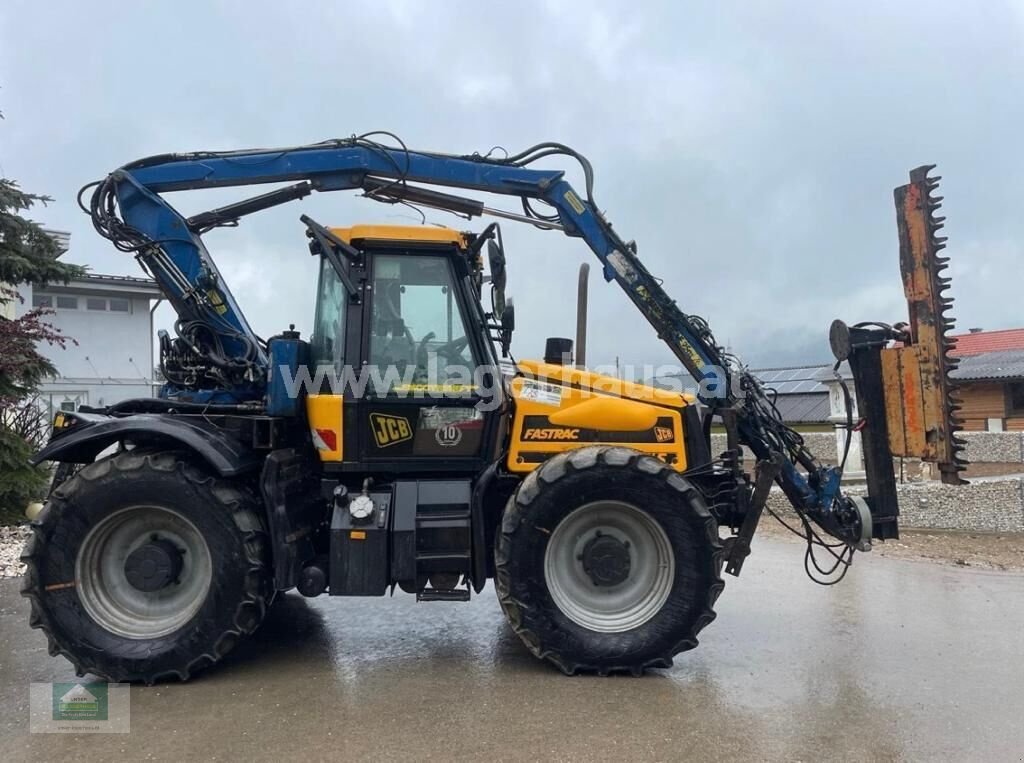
90, 433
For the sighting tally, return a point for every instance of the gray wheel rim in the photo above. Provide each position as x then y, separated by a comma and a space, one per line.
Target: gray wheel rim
618, 608
116, 605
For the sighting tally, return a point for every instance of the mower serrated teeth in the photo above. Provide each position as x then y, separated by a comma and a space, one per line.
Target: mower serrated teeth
920, 174
929, 302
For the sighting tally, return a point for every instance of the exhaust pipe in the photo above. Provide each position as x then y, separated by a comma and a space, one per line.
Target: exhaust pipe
581, 317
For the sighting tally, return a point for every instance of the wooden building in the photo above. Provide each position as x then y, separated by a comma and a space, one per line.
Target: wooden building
991, 378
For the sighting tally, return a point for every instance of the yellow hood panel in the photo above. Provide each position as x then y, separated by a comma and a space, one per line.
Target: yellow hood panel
607, 413
608, 385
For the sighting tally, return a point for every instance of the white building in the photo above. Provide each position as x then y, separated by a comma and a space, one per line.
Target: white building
111, 320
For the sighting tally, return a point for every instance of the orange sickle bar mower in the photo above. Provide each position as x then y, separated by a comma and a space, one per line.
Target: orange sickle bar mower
905, 395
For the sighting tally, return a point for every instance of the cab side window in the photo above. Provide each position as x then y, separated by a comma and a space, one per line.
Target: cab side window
417, 324
327, 344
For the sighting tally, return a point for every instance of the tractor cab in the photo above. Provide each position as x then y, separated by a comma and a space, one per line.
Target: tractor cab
402, 345
409, 378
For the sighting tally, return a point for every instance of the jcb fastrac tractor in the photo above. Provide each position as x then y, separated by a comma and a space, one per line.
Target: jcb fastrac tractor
393, 450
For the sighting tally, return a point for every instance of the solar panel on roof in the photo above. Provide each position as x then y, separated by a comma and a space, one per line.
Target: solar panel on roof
777, 377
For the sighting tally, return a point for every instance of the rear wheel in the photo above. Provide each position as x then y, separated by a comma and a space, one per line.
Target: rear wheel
607, 560
142, 566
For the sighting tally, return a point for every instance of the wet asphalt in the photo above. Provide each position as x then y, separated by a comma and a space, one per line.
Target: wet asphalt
903, 660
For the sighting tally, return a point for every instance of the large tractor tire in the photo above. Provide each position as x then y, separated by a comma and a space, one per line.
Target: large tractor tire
143, 567
607, 560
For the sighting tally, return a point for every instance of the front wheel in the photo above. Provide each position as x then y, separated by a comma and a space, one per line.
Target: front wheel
142, 566
607, 560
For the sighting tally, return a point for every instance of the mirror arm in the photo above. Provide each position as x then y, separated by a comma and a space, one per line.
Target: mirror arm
482, 239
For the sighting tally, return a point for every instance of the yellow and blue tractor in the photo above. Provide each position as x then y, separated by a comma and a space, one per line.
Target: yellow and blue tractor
399, 447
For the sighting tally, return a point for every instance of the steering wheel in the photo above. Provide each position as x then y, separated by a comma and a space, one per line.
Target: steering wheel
451, 351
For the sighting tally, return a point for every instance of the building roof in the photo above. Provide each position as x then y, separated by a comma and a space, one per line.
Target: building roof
974, 366
791, 380
785, 380
988, 341
1001, 364
804, 407
801, 395
144, 287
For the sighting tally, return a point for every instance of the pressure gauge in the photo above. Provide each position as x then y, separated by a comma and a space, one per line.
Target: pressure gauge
361, 508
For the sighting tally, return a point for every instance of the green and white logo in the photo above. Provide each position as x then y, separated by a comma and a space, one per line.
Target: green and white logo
80, 702
80, 707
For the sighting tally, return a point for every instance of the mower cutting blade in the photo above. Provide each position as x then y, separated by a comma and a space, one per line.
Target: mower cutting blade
921, 400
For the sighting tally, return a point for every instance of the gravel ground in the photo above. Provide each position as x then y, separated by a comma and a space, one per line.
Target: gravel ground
991, 551
11, 541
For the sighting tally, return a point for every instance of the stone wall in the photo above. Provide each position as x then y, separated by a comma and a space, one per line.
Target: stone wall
990, 505
821, 444
994, 447
993, 505
982, 447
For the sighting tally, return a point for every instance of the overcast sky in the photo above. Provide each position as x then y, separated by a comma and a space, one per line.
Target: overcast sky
749, 148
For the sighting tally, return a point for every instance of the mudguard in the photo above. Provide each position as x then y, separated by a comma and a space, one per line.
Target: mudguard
84, 435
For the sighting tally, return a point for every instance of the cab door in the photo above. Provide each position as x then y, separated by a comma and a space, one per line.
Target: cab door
425, 367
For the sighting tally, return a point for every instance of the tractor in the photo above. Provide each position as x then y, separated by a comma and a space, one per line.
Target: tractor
403, 447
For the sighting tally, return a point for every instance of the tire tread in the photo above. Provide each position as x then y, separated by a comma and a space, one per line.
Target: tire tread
231, 497
557, 468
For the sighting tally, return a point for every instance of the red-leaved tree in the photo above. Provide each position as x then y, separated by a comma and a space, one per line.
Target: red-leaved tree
28, 254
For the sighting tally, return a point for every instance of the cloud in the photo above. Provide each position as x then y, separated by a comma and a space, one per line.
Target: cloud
750, 149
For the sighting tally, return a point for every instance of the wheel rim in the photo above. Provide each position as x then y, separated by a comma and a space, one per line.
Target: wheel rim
609, 603
115, 603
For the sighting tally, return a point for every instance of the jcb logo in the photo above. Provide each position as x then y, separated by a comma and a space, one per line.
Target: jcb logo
551, 434
389, 430
663, 434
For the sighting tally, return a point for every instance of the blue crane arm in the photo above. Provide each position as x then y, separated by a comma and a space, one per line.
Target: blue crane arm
188, 275
128, 208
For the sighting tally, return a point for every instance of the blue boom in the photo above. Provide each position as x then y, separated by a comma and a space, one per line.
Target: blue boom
128, 208
189, 276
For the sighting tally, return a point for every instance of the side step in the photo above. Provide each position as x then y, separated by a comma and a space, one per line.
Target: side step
434, 594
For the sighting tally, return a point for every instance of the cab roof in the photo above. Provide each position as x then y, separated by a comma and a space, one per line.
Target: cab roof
418, 233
